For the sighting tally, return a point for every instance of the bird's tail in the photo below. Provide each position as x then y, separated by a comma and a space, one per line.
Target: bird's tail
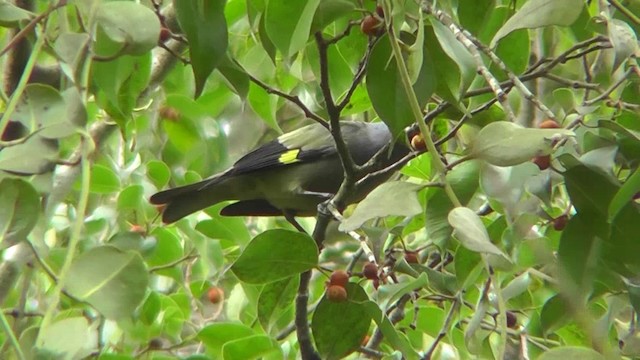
185, 200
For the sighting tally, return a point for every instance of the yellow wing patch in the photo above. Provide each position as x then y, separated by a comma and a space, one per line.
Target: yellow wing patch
289, 157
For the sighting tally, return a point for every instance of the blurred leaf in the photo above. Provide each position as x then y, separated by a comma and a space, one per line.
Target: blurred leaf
205, 27
36, 155
11, 15
133, 26
111, 280
571, 353
288, 24
590, 190
579, 253
130, 197
44, 107
274, 255
623, 39
554, 314
339, 327
103, 180
458, 53
167, 250
19, 210
159, 173
388, 294
329, 11
216, 335
69, 338
513, 50
236, 77
464, 181
470, 231
538, 13
264, 105
474, 14
386, 91
625, 194
400, 199
504, 143
250, 347
233, 229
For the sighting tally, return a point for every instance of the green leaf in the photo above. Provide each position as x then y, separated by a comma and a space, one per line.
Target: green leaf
288, 24
159, 173
400, 198
11, 15
538, 13
135, 27
167, 250
264, 105
69, 338
274, 255
233, 229
625, 194
44, 107
205, 27
130, 197
19, 210
458, 53
339, 327
250, 347
329, 11
103, 180
571, 353
470, 231
275, 298
386, 91
214, 336
554, 314
37, 155
623, 39
474, 14
464, 181
388, 294
112, 281
590, 190
579, 251
391, 335
236, 77
504, 143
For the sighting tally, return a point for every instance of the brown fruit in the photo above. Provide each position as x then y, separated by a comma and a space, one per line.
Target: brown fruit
380, 11
549, 124
137, 229
165, 35
543, 161
370, 271
215, 295
512, 320
336, 293
417, 143
169, 113
411, 257
560, 222
339, 278
370, 25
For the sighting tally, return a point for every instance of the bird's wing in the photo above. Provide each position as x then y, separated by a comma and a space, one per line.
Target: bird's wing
302, 145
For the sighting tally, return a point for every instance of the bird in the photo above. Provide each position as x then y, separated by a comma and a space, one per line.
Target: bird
288, 176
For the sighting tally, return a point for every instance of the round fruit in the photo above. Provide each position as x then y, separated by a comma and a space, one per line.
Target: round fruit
370, 271
560, 222
215, 295
169, 113
336, 293
549, 124
512, 320
543, 161
411, 257
417, 142
370, 25
339, 278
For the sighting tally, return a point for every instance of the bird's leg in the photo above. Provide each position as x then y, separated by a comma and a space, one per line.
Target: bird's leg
292, 220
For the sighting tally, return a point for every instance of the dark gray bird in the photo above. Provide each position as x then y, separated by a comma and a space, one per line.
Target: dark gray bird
288, 176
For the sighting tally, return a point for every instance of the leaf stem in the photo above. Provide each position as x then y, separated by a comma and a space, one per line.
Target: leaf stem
417, 112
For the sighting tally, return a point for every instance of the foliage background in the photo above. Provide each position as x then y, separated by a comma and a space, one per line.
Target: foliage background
107, 102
